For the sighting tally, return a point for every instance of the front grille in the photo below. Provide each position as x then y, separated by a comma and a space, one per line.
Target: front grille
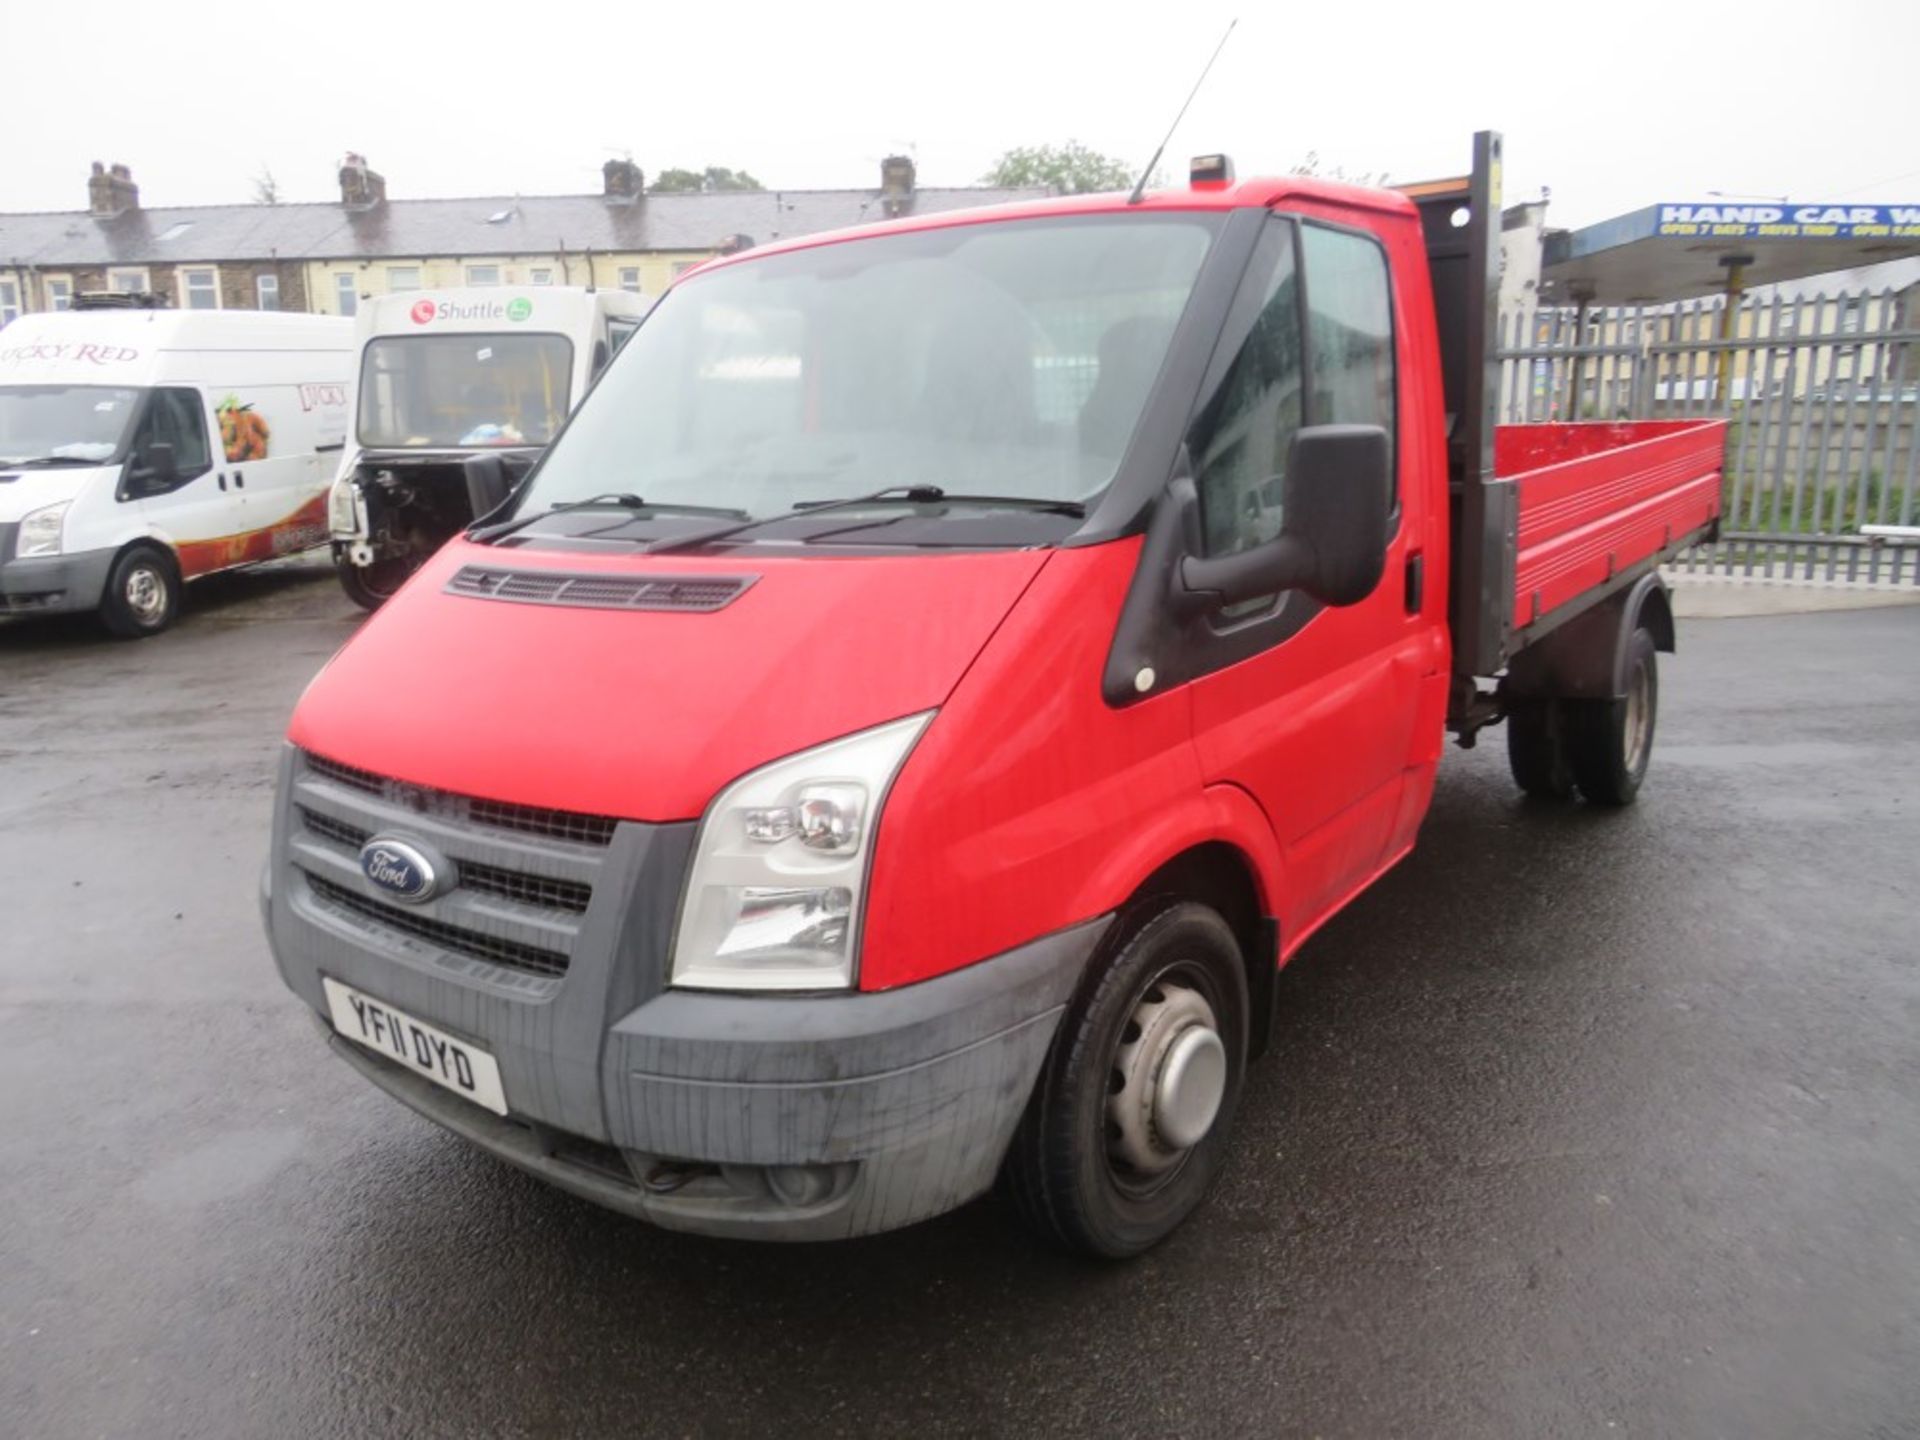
328, 828
510, 953
500, 815
693, 594
525, 889
515, 885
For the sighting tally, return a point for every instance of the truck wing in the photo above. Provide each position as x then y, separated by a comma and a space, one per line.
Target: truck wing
1598, 502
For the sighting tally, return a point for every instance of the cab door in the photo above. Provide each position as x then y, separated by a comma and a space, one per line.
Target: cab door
1311, 709
198, 509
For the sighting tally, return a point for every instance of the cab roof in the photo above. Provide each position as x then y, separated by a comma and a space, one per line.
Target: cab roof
1258, 193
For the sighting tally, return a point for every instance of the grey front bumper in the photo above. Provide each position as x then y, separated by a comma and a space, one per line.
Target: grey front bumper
52, 584
895, 1106
779, 1117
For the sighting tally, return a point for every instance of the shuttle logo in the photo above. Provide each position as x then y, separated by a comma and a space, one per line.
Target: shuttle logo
425, 312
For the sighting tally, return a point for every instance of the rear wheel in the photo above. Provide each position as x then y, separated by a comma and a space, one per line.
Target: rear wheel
1610, 742
371, 586
1537, 748
1131, 1118
143, 593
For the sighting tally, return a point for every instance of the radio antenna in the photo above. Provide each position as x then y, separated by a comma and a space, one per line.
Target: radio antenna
1140, 188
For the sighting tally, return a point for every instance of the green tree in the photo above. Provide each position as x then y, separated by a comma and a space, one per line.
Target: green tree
266, 189
694, 182
1072, 169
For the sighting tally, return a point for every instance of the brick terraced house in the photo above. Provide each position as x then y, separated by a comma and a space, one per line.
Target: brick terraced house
327, 257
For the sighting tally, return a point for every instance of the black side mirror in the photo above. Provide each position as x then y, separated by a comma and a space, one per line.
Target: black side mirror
161, 468
1332, 544
492, 479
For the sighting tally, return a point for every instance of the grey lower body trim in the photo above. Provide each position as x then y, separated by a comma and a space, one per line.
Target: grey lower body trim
54, 584
890, 1108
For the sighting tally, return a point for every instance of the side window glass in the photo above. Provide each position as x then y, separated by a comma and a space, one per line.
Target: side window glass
1349, 332
176, 418
1239, 441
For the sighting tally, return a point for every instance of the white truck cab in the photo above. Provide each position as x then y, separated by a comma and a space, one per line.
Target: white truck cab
446, 375
142, 448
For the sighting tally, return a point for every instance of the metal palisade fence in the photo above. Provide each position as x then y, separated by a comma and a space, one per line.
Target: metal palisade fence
1822, 393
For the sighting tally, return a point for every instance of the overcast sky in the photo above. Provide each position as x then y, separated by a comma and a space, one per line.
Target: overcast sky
1613, 105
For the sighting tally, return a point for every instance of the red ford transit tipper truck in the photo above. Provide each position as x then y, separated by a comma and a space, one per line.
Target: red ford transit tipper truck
938, 676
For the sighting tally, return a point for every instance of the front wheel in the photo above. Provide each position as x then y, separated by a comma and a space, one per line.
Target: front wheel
1130, 1120
1610, 742
143, 593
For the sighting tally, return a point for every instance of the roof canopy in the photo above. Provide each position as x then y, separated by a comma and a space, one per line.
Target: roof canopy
1680, 250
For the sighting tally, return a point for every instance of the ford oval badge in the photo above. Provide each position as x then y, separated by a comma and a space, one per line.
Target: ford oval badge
404, 871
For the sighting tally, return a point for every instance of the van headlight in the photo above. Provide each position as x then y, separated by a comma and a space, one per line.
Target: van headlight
40, 530
780, 867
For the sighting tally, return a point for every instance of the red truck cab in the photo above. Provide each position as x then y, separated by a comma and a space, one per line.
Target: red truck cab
936, 679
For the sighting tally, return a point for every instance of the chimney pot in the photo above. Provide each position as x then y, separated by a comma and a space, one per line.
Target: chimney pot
896, 184
623, 181
111, 191
361, 187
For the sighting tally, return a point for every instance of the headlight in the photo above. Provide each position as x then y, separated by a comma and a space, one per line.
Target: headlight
780, 867
40, 530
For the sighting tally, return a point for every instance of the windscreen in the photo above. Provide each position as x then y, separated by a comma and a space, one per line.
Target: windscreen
463, 390
86, 423
1010, 359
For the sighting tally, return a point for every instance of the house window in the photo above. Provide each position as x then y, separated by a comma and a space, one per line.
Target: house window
346, 295
403, 277
200, 289
630, 277
483, 274
60, 293
9, 300
540, 275
127, 282
266, 291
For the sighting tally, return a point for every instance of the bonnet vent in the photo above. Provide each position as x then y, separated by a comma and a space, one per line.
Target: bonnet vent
696, 594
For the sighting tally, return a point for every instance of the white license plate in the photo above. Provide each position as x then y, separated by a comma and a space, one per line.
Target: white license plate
464, 1069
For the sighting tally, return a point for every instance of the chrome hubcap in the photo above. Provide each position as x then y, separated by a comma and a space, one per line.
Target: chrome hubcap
146, 595
1169, 1077
1639, 719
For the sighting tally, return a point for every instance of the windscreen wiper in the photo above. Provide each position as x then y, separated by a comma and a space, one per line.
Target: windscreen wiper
487, 534
906, 494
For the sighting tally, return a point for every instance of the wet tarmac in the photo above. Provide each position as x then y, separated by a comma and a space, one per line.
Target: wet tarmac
1578, 1124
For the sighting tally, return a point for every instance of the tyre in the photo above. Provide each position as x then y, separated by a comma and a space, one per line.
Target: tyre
1131, 1117
371, 586
1609, 742
1537, 748
143, 593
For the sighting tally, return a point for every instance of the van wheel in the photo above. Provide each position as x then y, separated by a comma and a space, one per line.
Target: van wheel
1537, 748
371, 586
1131, 1118
1611, 741
143, 593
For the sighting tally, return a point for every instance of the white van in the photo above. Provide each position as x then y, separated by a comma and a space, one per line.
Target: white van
446, 375
142, 448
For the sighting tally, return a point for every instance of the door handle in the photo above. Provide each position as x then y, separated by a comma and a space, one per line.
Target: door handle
238, 482
1416, 594
223, 479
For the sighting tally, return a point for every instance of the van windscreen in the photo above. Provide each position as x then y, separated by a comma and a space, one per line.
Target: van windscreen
463, 391
71, 424
1010, 359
